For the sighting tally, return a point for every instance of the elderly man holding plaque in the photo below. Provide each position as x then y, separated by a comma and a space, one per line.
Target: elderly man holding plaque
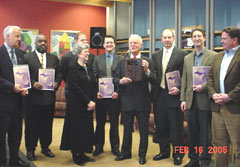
11, 107
194, 99
132, 76
45, 74
78, 132
168, 116
108, 102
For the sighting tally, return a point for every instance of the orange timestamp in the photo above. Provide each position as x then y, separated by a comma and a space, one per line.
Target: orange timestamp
199, 150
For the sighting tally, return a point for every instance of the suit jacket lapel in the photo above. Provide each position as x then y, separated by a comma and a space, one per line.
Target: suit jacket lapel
37, 60
115, 59
172, 59
7, 55
103, 63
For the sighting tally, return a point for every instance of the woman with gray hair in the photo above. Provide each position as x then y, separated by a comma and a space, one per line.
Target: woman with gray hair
78, 130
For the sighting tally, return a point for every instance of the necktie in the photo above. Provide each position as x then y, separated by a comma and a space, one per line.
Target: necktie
42, 62
13, 58
164, 66
134, 57
109, 71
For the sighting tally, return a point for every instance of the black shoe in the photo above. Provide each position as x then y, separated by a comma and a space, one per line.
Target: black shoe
192, 164
97, 152
78, 161
116, 152
31, 156
19, 163
48, 153
160, 157
142, 160
121, 157
177, 161
87, 159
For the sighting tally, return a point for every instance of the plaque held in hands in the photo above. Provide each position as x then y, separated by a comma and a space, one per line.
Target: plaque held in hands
200, 74
173, 79
133, 69
106, 87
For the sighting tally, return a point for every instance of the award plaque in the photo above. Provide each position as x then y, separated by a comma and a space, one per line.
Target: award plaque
200, 74
21, 76
46, 78
133, 69
106, 87
173, 79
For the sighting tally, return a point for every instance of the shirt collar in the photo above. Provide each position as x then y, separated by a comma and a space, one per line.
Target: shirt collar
40, 54
233, 50
169, 50
8, 48
138, 56
201, 53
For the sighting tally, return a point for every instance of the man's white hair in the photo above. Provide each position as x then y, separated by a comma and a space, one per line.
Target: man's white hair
136, 36
9, 30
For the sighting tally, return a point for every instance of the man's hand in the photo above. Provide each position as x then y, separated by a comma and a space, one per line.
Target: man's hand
183, 106
55, 85
145, 65
17, 89
91, 106
125, 80
24, 92
174, 91
99, 95
37, 86
220, 98
197, 88
115, 95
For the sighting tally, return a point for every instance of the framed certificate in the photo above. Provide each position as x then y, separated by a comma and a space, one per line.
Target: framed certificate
46, 77
133, 69
106, 87
173, 79
22, 76
200, 74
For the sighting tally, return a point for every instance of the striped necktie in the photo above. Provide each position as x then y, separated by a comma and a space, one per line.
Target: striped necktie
13, 57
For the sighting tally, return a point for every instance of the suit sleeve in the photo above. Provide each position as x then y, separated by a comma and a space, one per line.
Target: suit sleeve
59, 76
210, 81
183, 82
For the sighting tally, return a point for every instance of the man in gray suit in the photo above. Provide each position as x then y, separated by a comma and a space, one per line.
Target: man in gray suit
168, 116
195, 101
224, 91
135, 100
40, 104
105, 66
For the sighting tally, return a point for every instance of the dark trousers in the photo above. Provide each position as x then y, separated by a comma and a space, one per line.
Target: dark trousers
169, 124
128, 120
199, 124
112, 108
11, 125
38, 125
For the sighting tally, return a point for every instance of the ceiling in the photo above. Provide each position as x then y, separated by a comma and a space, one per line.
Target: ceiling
103, 3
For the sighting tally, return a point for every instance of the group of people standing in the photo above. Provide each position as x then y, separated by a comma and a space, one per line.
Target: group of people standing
215, 103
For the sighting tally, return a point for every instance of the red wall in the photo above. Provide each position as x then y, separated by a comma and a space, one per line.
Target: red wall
46, 16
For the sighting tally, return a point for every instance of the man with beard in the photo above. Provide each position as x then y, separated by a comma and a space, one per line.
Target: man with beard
40, 103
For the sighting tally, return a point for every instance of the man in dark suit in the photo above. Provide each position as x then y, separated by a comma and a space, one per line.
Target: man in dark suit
66, 59
195, 101
11, 107
40, 103
224, 91
105, 66
135, 100
168, 116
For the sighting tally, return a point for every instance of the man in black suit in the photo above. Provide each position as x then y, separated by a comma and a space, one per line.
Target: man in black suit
168, 116
11, 107
135, 100
66, 59
105, 66
40, 104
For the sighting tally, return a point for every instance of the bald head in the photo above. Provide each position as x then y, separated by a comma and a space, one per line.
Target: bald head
41, 43
167, 38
